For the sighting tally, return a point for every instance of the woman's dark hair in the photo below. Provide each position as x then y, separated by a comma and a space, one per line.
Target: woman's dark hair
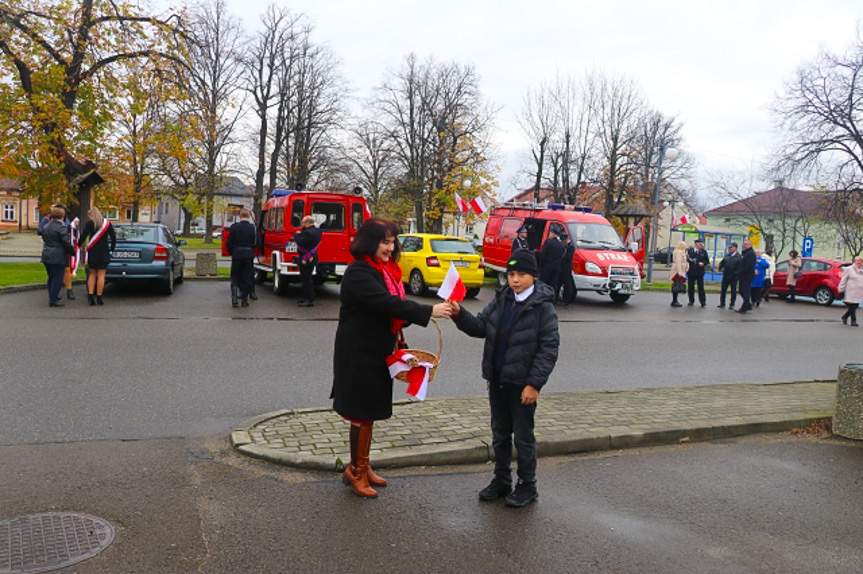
793, 253
370, 235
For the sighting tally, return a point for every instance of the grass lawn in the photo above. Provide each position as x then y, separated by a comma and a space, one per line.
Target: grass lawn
22, 274
198, 243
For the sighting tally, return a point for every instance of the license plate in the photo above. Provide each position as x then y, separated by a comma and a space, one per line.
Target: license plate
125, 254
290, 247
461, 263
625, 288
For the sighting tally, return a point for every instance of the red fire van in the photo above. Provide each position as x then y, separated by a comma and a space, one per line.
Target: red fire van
338, 216
601, 263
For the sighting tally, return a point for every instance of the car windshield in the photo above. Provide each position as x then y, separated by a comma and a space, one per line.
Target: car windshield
596, 235
128, 233
451, 246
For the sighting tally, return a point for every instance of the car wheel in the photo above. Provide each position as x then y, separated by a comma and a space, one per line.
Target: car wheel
417, 284
168, 285
182, 276
501, 279
260, 276
280, 285
472, 292
823, 296
619, 297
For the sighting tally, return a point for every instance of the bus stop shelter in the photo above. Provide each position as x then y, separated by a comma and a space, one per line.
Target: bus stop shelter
716, 241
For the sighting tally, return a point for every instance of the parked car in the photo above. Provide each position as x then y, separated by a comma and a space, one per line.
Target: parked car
663, 255
427, 257
819, 279
147, 252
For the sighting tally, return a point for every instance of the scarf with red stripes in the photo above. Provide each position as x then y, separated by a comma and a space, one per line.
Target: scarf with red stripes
391, 272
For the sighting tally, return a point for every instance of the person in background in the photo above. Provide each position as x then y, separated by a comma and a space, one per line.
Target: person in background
768, 279
729, 266
372, 315
566, 280
698, 263
241, 247
745, 275
550, 259
56, 250
795, 264
852, 286
521, 349
308, 243
757, 285
73, 236
102, 241
520, 242
679, 268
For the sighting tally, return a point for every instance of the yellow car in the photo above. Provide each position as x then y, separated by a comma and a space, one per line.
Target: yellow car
426, 257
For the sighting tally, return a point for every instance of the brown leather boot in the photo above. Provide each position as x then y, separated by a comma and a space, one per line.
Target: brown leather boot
357, 473
374, 478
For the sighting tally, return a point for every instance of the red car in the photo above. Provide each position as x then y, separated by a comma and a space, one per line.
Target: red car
819, 280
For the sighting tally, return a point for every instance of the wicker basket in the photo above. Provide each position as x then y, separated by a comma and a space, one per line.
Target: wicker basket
426, 356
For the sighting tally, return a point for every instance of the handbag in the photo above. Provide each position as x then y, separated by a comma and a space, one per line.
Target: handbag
678, 287
798, 274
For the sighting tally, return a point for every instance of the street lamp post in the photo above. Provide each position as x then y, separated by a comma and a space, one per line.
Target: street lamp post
666, 149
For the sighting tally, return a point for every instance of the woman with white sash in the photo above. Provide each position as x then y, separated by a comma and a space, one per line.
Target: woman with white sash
97, 253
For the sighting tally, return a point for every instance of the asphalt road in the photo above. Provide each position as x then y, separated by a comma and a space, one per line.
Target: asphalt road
150, 366
760, 504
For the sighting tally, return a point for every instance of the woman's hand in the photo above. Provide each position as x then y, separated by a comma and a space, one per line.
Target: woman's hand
454, 306
442, 311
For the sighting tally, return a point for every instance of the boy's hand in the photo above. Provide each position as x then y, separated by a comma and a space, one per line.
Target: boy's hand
529, 395
454, 306
442, 311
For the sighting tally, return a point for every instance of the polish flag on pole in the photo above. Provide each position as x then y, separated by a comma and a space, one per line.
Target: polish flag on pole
683, 219
478, 205
452, 287
462, 204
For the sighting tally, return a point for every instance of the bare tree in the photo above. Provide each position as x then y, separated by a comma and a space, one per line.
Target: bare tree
371, 159
575, 104
539, 122
844, 210
821, 117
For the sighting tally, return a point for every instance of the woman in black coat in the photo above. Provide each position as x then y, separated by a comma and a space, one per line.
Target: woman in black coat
372, 314
103, 240
56, 249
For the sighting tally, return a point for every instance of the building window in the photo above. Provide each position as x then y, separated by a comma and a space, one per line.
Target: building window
128, 214
36, 214
111, 213
8, 212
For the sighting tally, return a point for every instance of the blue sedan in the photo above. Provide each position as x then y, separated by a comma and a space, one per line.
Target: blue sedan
147, 251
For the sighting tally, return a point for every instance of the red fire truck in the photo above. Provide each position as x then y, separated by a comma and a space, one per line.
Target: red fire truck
601, 263
338, 216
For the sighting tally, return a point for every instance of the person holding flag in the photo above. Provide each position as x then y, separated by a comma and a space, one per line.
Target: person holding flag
520, 352
372, 315
97, 254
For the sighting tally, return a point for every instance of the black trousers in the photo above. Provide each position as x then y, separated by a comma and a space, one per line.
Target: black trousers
509, 417
851, 312
306, 272
551, 277
55, 281
756, 294
568, 284
726, 283
745, 293
243, 274
693, 281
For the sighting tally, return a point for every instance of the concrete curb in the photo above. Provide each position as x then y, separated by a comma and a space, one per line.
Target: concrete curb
479, 451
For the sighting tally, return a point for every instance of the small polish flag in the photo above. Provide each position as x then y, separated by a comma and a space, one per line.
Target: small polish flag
478, 205
417, 372
452, 287
462, 204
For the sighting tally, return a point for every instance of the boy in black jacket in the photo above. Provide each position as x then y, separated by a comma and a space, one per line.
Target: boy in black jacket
521, 344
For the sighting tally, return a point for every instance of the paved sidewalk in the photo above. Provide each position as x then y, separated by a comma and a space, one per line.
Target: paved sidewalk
456, 430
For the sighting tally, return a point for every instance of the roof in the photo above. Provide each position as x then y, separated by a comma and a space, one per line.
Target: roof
779, 200
632, 210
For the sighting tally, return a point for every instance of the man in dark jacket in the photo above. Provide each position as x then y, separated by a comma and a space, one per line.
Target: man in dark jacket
56, 250
308, 243
745, 275
698, 262
729, 266
520, 242
242, 238
566, 281
520, 351
549, 261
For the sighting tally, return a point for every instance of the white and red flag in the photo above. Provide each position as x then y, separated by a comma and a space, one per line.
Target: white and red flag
418, 372
452, 288
462, 204
683, 219
368, 210
478, 205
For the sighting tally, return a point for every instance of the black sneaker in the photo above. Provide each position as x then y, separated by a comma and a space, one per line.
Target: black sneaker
496, 489
522, 495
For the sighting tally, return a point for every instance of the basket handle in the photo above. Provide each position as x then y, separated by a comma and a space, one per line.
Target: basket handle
440, 339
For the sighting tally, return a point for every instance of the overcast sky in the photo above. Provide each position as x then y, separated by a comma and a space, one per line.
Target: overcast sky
716, 65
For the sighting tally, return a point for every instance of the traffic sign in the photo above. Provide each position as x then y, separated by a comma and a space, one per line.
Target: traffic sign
808, 244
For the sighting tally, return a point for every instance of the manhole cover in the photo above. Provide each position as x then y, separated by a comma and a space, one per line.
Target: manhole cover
52, 540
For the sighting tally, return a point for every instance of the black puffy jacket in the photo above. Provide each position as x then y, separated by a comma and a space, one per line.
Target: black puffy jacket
533, 342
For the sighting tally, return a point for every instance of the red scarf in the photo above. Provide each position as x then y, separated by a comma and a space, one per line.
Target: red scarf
391, 272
